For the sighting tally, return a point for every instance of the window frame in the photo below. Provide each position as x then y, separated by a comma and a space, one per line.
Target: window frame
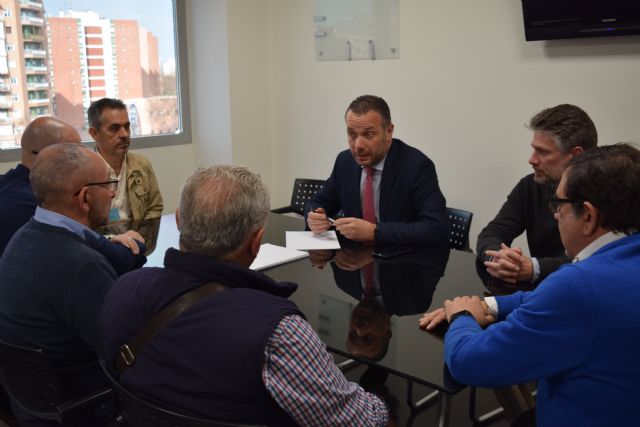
182, 90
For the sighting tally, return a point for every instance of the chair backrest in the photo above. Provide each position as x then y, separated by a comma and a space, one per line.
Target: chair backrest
28, 379
303, 191
31, 382
138, 412
459, 225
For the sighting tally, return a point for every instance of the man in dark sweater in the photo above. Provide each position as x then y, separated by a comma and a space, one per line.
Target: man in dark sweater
18, 203
559, 134
52, 282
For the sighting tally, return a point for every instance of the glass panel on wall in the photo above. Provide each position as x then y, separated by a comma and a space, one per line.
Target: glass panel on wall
66, 54
346, 30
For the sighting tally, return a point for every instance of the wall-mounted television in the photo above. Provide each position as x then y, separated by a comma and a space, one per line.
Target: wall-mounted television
566, 19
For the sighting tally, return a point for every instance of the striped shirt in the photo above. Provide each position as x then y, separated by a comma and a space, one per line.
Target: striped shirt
303, 379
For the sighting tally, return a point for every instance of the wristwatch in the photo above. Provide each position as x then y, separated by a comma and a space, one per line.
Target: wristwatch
454, 316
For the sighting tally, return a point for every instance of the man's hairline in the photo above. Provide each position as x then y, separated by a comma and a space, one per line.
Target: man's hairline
382, 120
101, 122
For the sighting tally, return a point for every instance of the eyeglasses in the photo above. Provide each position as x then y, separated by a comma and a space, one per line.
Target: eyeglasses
555, 202
111, 185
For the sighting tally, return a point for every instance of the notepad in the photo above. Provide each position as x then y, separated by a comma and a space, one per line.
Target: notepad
272, 255
308, 240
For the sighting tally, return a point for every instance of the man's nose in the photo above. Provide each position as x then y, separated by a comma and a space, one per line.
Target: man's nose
533, 159
359, 143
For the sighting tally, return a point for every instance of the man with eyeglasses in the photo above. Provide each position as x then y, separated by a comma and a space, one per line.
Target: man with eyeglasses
52, 282
18, 203
577, 331
559, 134
138, 197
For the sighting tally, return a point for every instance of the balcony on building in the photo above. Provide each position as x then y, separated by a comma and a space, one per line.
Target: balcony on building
31, 20
5, 118
32, 52
31, 33
37, 84
35, 65
38, 98
31, 17
31, 4
5, 102
4, 87
35, 112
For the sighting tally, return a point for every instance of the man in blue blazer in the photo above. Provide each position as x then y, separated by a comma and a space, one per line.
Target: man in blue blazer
408, 205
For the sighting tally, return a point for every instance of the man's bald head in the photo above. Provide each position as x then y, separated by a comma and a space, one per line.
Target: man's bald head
41, 133
62, 169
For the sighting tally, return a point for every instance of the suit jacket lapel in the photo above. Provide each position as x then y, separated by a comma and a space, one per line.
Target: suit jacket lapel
389, 174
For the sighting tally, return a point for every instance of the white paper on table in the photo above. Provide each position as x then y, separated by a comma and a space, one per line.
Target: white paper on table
308, 240
270, 255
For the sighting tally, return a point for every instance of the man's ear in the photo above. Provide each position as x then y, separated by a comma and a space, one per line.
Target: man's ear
93, 132
256, 241
390, 130
178, 218
591, 219
576, 151
82, 199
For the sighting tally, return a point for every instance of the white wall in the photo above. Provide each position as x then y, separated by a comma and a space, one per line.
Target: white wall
463, 88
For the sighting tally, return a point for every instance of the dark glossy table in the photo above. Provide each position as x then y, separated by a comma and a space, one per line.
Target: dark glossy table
409, 285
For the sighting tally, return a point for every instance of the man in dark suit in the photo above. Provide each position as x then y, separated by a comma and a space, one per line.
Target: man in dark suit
385, 191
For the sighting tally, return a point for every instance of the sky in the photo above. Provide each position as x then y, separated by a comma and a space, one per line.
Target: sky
155, 15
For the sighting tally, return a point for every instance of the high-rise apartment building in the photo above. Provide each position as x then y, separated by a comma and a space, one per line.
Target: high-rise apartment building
24, 68
93, 57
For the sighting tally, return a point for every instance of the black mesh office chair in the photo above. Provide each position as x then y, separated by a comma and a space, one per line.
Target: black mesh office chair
134, 411
459, 224
30, 381
303, 191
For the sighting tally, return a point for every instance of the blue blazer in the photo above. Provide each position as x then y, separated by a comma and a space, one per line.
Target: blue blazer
412, 208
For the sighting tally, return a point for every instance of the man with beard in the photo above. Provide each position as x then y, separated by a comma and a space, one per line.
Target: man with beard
559, 134
385, 191
138, 196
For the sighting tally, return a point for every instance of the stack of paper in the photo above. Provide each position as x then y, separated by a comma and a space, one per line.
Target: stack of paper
308, 240
270, 255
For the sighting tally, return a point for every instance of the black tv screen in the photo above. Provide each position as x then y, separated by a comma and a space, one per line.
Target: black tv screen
562, 19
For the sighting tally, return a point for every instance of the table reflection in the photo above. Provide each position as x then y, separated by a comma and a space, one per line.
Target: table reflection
397, 286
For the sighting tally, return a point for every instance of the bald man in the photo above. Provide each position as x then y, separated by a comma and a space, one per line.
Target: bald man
52, 282
18, 203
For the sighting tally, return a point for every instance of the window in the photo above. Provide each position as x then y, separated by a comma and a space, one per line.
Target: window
141, 52
7, 13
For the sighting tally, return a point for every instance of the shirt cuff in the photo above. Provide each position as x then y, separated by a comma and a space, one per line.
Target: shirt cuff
492, 305
536, 269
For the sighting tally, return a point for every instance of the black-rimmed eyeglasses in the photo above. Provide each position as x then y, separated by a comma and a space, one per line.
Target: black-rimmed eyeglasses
555, 202
111, 185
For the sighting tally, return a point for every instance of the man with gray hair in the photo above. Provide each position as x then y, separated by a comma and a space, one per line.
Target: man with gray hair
559, 134
576, 333
52, 282
18, 203
244, 354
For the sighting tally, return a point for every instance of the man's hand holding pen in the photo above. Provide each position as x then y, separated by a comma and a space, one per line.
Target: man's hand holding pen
355, 229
